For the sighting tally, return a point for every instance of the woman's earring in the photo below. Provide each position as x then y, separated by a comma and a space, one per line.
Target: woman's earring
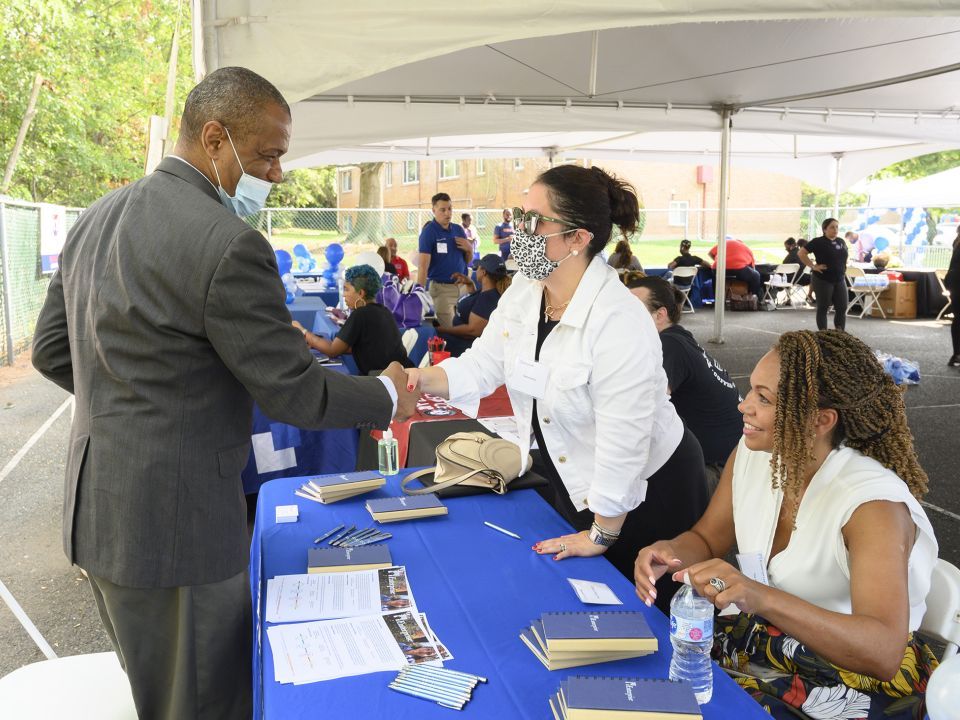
575, 252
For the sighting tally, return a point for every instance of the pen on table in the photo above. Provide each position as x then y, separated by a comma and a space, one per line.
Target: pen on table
500, 529
323, 537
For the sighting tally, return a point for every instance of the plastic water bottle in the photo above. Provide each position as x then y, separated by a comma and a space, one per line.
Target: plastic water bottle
691, 634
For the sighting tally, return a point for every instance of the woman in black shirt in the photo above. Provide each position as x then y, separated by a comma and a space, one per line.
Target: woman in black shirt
370, 333
828, 280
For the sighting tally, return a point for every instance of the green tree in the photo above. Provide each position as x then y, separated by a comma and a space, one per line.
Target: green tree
817, 196
308, 188
921, 166
105, 63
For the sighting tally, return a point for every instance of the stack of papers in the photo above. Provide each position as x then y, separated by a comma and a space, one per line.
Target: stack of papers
356, 623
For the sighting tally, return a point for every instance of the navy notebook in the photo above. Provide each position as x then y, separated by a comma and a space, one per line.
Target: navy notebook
323, 481
404, 503
640, 695
595, 625
338, 559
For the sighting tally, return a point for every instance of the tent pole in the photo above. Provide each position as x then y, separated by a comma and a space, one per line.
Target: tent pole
838, 158
720, 279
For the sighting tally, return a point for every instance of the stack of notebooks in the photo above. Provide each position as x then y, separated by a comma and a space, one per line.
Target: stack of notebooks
348, 559
570, 639
392, 509
331, 488
610, 698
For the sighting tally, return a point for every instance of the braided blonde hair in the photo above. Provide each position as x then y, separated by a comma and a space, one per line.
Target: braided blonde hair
833, 369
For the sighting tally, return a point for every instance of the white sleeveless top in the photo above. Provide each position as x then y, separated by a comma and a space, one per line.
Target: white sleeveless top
814, 565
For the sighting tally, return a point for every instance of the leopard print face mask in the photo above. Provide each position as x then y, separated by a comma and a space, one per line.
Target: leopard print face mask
530, 252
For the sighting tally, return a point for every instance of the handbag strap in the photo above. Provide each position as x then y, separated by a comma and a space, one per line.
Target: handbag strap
500, 488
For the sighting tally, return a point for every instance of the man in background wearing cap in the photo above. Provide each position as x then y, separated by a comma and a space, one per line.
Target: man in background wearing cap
474, 308
685, 259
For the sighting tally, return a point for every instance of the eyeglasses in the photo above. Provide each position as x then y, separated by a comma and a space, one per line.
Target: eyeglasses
527, 221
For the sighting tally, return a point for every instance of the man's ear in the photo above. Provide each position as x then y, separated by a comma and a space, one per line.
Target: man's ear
213, 137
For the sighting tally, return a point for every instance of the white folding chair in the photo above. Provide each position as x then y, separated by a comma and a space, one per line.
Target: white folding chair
941, 274
79, 686
866, 293
783, 279
942, 618
685, 272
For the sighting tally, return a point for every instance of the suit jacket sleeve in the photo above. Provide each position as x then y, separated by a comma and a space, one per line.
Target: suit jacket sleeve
51, 342
248, 325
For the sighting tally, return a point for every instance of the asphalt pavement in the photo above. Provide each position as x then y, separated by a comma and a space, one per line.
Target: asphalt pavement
56, 597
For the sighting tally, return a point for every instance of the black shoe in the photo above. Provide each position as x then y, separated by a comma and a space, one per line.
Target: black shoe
954, 361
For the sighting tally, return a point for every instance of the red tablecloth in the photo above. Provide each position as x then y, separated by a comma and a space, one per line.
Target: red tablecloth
435, 409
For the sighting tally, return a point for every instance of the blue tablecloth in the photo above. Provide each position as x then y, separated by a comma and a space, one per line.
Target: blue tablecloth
281, 450
311, 312
330, 298
479, 588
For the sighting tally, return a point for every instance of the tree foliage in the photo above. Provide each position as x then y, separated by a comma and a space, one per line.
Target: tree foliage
313, 187
921, 166
818, 197
105, 65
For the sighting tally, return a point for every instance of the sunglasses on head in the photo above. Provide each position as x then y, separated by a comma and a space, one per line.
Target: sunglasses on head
527, 221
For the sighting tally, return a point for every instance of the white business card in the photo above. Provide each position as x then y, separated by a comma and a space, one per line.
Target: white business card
594, 593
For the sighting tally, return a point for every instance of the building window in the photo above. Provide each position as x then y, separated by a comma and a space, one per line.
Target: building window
388, 174
481, 170
481, 216
449, 169
518, 163
411, 172
411, 220
346, 181
677, 215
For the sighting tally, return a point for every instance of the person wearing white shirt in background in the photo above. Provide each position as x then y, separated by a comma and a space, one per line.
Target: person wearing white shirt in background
582, 363
466, 222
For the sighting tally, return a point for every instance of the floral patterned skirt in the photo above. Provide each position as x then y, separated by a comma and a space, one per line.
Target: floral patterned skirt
813, 687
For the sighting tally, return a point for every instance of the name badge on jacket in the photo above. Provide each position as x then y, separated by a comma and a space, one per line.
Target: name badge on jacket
529, 377
442, 247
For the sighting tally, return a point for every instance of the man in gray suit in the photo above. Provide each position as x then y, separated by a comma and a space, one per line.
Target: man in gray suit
166, 321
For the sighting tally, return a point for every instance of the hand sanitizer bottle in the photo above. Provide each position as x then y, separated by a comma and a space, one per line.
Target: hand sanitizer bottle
388, 453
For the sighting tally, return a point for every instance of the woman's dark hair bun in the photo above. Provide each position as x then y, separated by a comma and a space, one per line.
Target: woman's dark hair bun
624, 205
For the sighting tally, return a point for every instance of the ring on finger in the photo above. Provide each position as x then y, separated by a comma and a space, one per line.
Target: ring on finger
718, 584
563, 548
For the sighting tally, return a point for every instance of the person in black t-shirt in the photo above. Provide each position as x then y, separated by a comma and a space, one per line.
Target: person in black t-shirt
700, 389
370, 333
474, 309
828, 280
792, 256
685, 259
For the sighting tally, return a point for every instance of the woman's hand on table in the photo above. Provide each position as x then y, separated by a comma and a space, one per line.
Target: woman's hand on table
748, 595
575, 545
651, 564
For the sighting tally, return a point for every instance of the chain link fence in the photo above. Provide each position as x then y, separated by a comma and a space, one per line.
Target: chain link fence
24, 285
914, 238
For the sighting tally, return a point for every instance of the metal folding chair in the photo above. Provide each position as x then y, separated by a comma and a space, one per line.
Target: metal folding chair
685, 272
866, 294
783, 279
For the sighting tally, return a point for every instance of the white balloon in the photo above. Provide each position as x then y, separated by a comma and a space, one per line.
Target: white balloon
943, 691
369, 258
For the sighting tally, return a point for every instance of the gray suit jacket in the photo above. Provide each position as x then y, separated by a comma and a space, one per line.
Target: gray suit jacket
167, 320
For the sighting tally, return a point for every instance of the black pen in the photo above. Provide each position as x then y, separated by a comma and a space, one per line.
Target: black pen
323, 537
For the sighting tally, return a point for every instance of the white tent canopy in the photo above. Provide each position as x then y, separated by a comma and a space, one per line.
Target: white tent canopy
373, 71
940, 190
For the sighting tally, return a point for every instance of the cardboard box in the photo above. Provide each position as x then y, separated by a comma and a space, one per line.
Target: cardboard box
899, 301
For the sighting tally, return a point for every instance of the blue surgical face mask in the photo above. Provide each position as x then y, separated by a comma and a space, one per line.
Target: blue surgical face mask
251, 193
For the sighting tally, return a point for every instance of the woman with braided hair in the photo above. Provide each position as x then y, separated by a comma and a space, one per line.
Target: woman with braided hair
822, 493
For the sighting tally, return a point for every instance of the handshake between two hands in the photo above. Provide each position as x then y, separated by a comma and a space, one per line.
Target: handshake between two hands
407, 384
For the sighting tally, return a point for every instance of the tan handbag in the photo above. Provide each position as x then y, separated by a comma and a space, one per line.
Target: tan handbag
475, 459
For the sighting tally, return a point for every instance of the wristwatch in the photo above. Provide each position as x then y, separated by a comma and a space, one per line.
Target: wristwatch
601, 537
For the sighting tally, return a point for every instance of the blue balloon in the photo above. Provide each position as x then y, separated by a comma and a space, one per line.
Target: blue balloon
300, 250
881, 244
284, 261
334, 254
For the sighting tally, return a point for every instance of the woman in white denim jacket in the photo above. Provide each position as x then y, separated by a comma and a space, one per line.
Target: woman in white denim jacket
582, 362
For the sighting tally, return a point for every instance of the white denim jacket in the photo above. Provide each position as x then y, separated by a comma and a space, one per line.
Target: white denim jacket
606, 416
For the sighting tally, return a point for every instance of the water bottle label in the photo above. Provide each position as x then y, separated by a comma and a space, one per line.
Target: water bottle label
691, 630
